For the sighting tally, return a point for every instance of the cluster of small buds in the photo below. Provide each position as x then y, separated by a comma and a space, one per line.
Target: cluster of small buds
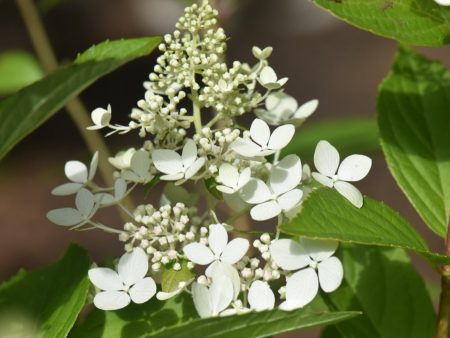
161, 232
270, 271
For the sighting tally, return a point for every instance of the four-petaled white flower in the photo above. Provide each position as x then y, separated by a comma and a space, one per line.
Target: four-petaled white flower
176, 167
86, 206
283, 108
127, 284
268, 79
280, 194
232, 181
220, 255
262, 142
353, 168
318, 267
211, 301
101, 118
78, 174
122, 160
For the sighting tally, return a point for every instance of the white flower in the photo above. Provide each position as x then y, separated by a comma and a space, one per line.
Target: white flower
139, 170
128, 284
211, 301
353, 168
123, 159
318, 266
120, 190
78, 174
283, 108
268, 79
260, 296
443, 2
232, 181
280, 194
262, 142
176, 167
86, 207
101, 118
220, 255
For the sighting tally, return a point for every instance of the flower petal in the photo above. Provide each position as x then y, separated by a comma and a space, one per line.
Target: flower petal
140, 163
286, 175
354, 168
120, 189
350, 192
228, 175
143, 290
189, 153
265, 211
245, 147
268, 75
195, 167
326, 181
306, 109
319, 249
133, 266
111, 300
221, 293
260, 132
281, 136
67, 189
198, 253
331, 274
76, 171
290, 199
105, 279
167, 161
244, 177
93, 166
218, 238
302, 287
85, 202
255, 192
326, 158
260, 296
65, 216
225, 189
202, 300
288, 254
218, 269
235, 250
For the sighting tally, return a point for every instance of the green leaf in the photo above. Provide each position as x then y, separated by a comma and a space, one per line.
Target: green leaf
177, 318
171, 279
331, 332
383, 284
45, 302
26, 110
17, 70
342, 133
211, 185
326, 214
414, 120
415, 22
178, 194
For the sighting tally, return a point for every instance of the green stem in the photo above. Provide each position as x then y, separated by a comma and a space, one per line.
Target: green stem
197, 114
75, 107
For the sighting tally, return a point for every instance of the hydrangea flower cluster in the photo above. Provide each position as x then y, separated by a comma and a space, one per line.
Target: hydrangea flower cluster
191, 140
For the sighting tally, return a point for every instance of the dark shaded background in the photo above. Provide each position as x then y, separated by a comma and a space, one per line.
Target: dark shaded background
324, 58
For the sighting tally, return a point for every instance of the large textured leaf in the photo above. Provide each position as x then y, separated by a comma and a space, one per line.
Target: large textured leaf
416, 22
24, 111
326, 214
383, 285
45, 302
342, 133
17, 70
176, 318
414, 121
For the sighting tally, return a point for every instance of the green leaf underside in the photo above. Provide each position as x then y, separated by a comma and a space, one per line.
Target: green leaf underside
382, 283
177, 318
342, 133
326, 214
171, 279
17, 70
26, 110
45, 302
415, 22
414, 121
